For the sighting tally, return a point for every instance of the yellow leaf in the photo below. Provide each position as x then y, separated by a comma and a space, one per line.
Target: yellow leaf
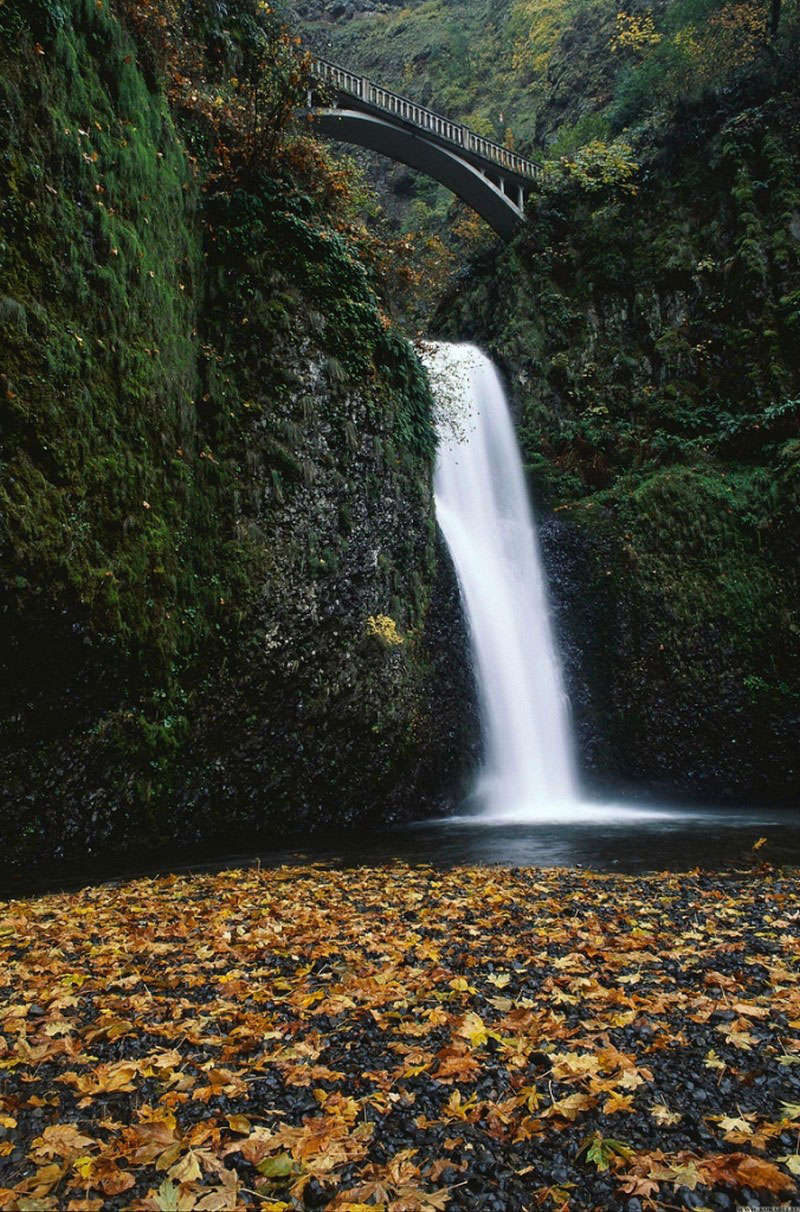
570, 1107
187, 1170
473, 1029
662, 1114
732, 1123
686, 1175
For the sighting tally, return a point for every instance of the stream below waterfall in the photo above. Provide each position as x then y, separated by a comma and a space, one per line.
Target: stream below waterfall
628, 839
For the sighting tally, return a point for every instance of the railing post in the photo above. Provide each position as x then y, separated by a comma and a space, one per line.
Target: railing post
365, 83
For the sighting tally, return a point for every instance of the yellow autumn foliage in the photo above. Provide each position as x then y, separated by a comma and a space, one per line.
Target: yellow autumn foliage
635, 32
598, 165
385, 628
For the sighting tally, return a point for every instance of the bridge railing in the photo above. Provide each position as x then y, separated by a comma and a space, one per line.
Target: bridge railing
427, 119
341, 79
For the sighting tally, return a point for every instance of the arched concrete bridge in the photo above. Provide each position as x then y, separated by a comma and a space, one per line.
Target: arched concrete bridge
491, 179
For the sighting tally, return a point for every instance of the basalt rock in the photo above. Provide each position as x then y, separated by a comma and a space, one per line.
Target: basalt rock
225, 612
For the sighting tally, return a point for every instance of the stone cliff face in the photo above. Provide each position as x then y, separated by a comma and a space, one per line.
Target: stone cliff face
224, 609
325, 713
649, 340
341, 10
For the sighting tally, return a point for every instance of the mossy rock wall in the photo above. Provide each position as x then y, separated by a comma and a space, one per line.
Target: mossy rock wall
650, 344
216, 465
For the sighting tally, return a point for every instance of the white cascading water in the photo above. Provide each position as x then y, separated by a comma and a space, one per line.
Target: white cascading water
483, 510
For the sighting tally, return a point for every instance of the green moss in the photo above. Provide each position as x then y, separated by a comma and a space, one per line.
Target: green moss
190, 371
696, 538
117, 514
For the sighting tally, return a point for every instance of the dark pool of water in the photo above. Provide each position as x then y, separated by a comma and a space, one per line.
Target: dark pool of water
608, 838
595, 836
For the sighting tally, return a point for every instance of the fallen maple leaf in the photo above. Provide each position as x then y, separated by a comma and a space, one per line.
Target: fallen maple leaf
187, 1170
569, 1107
734, 1123
60, 1140
601, 1151
662, 1115
634, 1184
755, 1172
617, 1102
679, 1173
114, 1181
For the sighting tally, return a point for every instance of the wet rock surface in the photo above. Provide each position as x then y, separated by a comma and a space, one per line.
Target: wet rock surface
703, 736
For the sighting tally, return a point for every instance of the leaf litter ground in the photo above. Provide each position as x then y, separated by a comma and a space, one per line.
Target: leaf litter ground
402, 1038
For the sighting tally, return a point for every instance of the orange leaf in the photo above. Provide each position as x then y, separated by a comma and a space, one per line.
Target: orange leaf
60, 1140
755, 1172
116, 1181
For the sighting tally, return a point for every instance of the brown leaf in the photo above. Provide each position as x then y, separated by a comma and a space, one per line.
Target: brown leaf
117, 1181
187, 1170
755, 1172
60, 1140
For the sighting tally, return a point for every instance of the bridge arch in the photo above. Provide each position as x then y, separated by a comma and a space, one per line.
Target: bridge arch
502, 211
493, 180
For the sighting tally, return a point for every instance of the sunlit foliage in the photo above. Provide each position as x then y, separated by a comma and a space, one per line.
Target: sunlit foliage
635, 31
384, 628
599, 165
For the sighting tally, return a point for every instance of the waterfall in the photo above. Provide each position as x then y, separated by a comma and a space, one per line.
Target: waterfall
484, 514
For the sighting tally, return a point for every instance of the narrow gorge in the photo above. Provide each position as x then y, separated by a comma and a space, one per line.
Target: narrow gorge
227, 610
399, 605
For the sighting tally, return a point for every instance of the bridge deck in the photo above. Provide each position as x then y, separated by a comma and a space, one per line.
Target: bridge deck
482, 152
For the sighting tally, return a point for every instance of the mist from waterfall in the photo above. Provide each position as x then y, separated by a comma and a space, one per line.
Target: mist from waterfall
483, 511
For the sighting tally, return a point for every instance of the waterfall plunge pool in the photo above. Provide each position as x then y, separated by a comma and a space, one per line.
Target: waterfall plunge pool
629, 839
